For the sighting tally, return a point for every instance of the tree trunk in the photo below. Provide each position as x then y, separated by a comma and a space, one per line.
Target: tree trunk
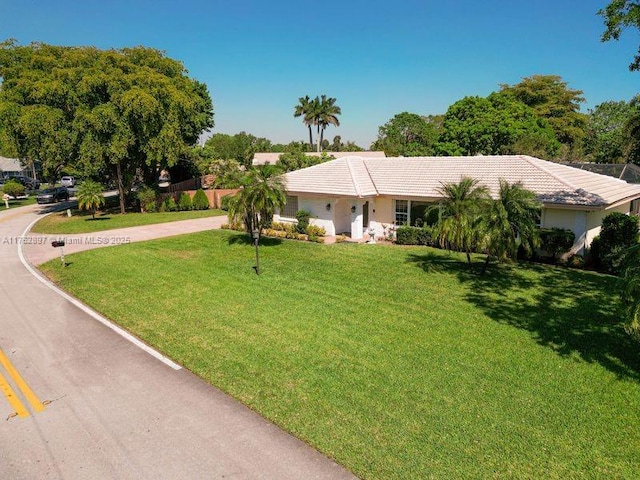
123, 209
318, 138
310, 137
484, 267
468, 257
321, 139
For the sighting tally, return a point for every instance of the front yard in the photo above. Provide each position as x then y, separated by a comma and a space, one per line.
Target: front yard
395, 361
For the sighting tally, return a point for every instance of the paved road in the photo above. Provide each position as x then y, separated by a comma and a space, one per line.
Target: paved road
92, 405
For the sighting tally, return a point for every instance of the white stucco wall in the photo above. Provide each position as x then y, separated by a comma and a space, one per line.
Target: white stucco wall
584, 224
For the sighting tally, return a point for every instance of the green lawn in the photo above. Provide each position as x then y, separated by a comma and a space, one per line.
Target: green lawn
19, 202
82, 222
397, 362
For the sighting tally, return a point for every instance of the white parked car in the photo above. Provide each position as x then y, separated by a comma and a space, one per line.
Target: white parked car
67, 181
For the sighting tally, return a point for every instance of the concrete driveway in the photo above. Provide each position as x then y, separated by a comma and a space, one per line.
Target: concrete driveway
80, 401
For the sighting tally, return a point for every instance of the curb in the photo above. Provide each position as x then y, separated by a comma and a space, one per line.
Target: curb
86, 309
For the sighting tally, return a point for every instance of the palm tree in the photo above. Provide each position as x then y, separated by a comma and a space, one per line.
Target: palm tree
510, 223
261, 194
90, 197
306, 109
326, 115
460, 212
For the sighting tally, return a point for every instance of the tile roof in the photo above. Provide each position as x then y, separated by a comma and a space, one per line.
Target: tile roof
10, 165
263, 158
553, 183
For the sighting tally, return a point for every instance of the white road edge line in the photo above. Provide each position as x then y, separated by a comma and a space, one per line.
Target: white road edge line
88, 310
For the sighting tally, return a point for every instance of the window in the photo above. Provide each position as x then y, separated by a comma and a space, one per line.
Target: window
290, 208
402, 212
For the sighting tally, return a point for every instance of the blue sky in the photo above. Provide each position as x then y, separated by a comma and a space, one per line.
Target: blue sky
378, 58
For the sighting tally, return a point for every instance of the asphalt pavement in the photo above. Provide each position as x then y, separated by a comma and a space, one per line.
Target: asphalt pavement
81, 401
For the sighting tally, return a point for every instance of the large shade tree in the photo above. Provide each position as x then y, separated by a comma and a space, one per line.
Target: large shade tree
551, 98
495, 125
131, 111
408, 135
610, 138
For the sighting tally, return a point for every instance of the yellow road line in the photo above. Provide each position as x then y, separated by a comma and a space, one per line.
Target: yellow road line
12, 397
22, 385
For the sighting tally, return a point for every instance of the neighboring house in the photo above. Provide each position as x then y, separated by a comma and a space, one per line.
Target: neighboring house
355, 195
268, 158
628, 172
11, 166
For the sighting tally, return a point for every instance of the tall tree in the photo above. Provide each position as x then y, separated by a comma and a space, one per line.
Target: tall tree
551, 98
498, 124
459, 213
620, 14
130, 110
306, 108
261, 194
326, 114
608, 139
408, 135
510, 222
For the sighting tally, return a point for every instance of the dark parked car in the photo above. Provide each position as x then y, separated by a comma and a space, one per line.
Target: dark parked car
28, 182
52, 195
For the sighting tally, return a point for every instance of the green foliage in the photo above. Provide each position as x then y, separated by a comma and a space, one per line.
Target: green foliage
147, 197
322, 111
95, 112
460, 215
509, 223
620, 14
631, 289
303, 217
408, 135
296, 158
170, 204
90, 196
315, 231
407, 235
13, 188
550, 98
607, 140
184, 202
618, 233
261, 194
239, 148
556, 241
498, 124
200, 200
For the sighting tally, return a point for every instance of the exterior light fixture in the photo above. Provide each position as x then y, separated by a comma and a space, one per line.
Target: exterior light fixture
328, 207
353, 209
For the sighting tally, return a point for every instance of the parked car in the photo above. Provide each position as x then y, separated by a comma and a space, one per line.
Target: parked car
28, 182
67, 181
52, 195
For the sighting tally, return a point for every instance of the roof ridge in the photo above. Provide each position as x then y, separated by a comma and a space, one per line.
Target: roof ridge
366, 167
356, 187
529, 159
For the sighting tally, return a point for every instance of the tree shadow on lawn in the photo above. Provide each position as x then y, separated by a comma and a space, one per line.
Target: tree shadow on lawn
245, 239
572, 312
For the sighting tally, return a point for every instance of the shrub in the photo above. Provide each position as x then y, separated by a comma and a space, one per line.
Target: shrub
170, 204
303, 220
200, 200
13, 188
556, 241
315, 231
184, 202
576, 261
406, 235
224, 202
147, 197
618, 232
